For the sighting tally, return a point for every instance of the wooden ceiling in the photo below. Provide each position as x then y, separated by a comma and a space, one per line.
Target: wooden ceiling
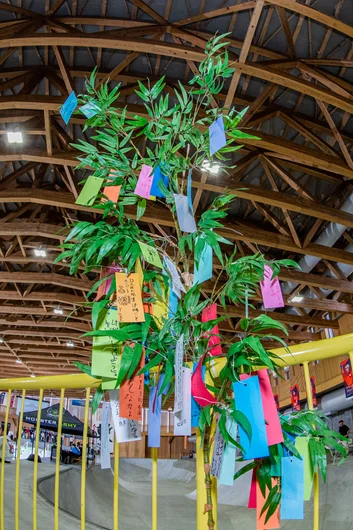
294, 65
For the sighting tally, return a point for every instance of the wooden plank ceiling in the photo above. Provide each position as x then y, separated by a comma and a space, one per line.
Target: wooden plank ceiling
294, 71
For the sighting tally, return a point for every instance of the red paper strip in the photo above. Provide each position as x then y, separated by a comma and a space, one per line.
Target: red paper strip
131, 395
273, 426
210, 313
271, 290
273, 521
199, 392
252, 494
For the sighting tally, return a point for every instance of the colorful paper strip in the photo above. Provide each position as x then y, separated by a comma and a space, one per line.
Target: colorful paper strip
271, 290
292, 486
248, 401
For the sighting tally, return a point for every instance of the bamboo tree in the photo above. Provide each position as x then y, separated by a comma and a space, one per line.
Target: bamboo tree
172, 133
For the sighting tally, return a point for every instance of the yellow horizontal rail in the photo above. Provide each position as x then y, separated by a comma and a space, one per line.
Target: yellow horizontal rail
51, 382
299, 354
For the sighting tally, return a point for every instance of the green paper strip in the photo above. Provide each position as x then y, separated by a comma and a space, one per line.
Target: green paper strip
106, 351
150, 254
302, 445
108, 384
89, 191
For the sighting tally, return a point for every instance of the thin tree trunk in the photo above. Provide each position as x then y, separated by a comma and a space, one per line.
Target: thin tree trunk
208, 480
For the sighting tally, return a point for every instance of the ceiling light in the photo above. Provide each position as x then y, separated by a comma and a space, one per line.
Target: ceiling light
18, 361
40, 252
297, 298
286, 368
211, 168
14, 137
58, 310
70, 344
2, 339
32, 375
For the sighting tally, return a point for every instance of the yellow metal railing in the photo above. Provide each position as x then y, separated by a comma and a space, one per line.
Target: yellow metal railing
299, 354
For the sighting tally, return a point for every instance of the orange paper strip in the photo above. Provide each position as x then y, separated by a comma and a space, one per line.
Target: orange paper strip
131, 395
112, 192
129, 298
273, 521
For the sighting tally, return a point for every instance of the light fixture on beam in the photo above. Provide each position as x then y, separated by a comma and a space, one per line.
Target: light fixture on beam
14, 137
58, 310
40, 252
19, 361
70, 344
211, 168
2, 339
32, 375
296, 299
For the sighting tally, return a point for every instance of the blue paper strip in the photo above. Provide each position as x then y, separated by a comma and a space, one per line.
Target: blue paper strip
68, 107
292, 501
248, 401
90, 109
154, 418
195, 407
228, 463
158, 177
189, 191
184, 214
205, 269
292, 438
217, 136
172, 304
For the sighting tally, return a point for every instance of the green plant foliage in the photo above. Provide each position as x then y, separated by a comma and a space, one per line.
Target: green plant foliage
172, 132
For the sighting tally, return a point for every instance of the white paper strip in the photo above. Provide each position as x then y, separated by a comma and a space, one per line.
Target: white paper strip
125, 430
105, 444
217, 455
182, 419
178, 366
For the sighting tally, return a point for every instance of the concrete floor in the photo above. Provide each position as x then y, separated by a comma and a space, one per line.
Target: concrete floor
176, 498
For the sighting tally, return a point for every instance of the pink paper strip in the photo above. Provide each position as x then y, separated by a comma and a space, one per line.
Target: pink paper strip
271, 290
210, 313
144, 183
198, 388
273, 427
252, 494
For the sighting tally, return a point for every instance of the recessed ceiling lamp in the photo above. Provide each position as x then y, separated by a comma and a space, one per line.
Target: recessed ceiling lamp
14, 137
211, 168
297, 298
70, 344
58, 310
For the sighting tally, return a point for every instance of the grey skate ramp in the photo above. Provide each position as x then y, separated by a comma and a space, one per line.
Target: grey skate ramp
176, 507
45, 510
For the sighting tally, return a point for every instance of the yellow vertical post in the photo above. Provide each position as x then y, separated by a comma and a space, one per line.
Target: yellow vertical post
18, 460
4, 443
154, 487
57, 461
116, 484
35, 468
84, 462
201, 500
309, 397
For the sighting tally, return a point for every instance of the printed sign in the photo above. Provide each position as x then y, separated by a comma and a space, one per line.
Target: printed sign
295, 397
